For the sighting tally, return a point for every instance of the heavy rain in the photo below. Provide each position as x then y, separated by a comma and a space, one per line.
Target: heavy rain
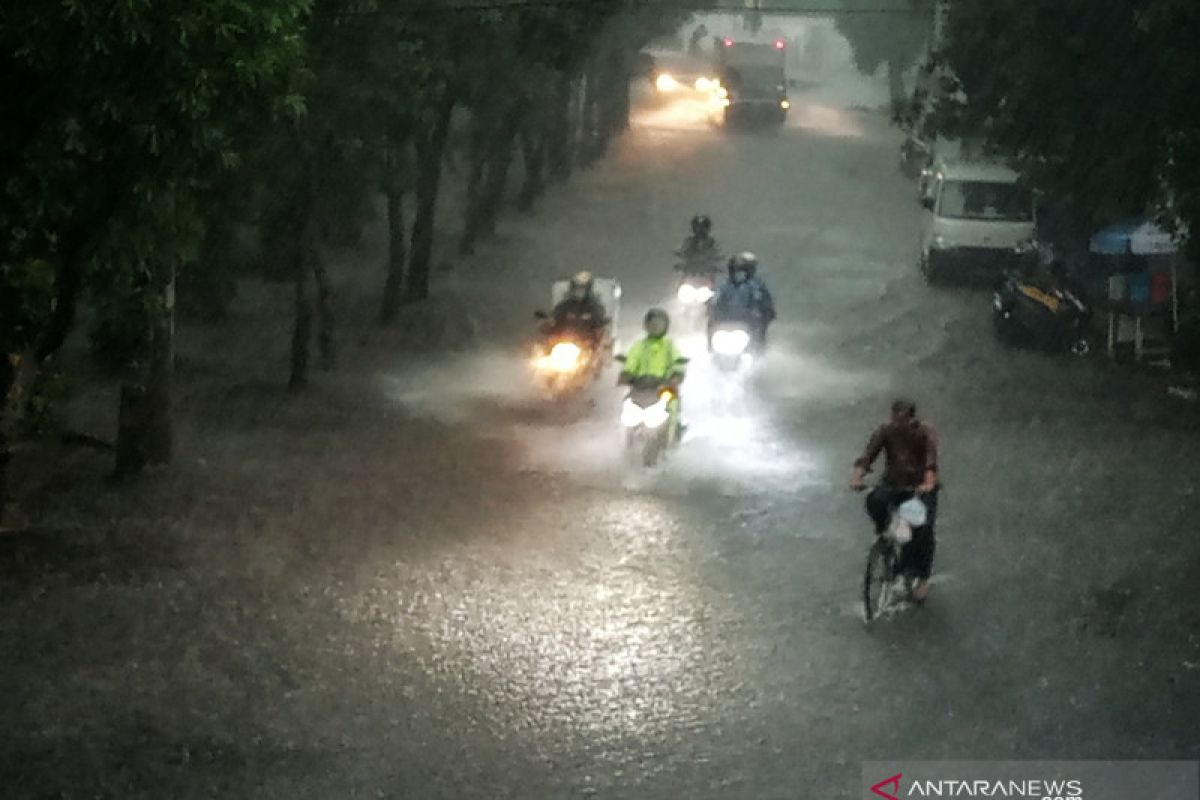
368, 432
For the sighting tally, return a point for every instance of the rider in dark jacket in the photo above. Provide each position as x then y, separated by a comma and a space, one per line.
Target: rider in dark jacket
699, 252
580, 311
743, 298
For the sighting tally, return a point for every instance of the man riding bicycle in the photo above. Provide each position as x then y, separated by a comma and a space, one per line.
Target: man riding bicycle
911, 452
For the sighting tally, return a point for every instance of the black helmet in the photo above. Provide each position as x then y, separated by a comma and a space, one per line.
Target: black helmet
743, 262
701, 225
656, 322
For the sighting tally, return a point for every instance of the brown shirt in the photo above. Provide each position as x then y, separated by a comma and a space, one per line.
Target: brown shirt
910, 449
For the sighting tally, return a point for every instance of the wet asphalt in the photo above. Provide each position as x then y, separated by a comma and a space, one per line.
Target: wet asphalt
464, 592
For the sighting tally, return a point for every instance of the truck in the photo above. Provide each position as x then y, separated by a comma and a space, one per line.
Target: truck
753, 81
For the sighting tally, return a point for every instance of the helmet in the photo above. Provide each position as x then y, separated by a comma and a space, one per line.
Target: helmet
744, 262
656, 322
701, 225
581, 285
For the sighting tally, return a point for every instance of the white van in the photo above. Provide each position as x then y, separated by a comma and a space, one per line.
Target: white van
978, 218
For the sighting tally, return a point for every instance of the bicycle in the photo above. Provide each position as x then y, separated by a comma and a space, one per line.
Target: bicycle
880, 578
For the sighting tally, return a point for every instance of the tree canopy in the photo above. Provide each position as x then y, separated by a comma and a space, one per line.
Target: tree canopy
1094, 100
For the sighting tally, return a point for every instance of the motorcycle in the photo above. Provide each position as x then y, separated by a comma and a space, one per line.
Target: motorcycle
566, 362
732, 346
693, 294
650, 418
1054, 318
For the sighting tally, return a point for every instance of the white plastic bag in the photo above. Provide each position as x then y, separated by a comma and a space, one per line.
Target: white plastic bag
914, 512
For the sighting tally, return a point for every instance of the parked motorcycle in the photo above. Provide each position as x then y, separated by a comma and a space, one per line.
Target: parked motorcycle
1052, 317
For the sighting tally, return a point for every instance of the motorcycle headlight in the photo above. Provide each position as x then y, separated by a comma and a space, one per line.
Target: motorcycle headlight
631, 414
686, 293
657, 414
703, 294
730, 342
666, 82
564, 356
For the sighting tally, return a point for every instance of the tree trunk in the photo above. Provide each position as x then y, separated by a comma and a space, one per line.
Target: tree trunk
326, 342
132, 445
613, 110
301, 328
74, 248
477, 151
496, 183
431, 145
392, 288
590, 147
478, 156
558, 129
304, 267
18, 373
896, 87
8, 379
144, 429
5, 458
533, 157
160, 379
623, 101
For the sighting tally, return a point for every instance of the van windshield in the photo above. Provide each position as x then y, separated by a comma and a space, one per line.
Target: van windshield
989, 200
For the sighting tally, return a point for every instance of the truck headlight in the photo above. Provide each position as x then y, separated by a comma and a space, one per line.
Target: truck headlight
666, 82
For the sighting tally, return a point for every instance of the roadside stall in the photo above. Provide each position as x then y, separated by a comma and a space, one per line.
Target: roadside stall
1137, 265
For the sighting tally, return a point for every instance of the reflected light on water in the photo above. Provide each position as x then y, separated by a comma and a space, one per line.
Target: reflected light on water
610, 645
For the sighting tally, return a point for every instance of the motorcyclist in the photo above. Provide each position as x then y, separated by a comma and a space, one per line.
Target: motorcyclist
655, 358
580, 312
699, 252
910, 447
743, 298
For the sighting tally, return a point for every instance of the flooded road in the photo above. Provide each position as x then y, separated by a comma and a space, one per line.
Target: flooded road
467, 593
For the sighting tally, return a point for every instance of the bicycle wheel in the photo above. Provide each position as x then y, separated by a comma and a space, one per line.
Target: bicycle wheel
877, 581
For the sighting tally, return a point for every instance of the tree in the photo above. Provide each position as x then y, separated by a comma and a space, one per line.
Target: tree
116, 119
1093, 101
892, 33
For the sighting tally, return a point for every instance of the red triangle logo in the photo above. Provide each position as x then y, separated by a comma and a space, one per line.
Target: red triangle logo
894, 782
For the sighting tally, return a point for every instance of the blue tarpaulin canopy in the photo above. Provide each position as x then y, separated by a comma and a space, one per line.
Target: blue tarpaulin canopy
1137, 238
